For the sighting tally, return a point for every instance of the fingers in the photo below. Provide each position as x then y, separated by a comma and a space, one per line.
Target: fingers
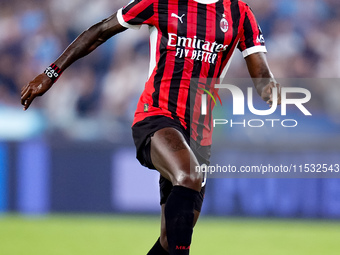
28, 102
36, 87
271, 86
268, 93
27, 96
24, 93
278, 92
270, 102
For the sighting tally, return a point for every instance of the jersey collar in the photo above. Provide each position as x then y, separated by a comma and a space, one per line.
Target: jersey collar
206, 1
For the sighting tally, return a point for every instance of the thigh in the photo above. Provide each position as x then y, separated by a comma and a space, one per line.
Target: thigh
173, 158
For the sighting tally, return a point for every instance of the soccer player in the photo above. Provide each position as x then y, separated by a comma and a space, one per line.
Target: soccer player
191, 43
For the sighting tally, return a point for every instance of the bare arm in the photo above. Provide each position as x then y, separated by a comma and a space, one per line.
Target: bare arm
262, 77
89, 40
80, 47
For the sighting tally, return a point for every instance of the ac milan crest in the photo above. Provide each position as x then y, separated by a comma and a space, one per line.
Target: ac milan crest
224, 24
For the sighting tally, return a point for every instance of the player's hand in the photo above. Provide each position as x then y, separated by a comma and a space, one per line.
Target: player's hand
267, 93
36, 87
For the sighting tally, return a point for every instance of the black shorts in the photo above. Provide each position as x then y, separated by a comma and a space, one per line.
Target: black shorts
143, 131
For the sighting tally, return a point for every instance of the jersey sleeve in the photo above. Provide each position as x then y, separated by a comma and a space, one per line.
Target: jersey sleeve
136, 13
252, 40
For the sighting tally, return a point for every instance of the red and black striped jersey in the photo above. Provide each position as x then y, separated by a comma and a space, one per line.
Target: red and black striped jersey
191, 43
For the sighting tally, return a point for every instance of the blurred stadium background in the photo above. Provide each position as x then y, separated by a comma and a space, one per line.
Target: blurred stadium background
71, 152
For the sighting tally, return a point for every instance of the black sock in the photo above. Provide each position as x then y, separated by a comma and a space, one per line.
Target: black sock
157, 249
179, 218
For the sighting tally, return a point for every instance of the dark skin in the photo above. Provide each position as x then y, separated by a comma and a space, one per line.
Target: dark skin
88, 41
170, 153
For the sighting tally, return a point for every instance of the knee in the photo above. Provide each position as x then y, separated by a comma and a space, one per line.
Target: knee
192, 180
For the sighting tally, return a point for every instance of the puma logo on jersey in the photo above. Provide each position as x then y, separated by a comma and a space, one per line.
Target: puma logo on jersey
178, 17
